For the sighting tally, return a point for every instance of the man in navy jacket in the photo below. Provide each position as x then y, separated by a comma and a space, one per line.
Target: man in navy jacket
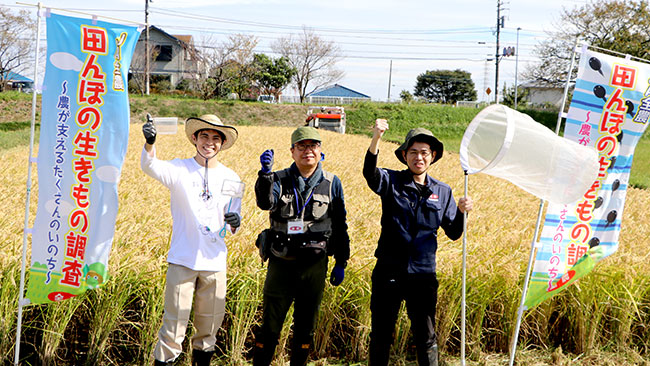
414, 206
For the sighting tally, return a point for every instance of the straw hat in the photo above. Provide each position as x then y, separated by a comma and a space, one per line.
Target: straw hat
211, 122
423, 135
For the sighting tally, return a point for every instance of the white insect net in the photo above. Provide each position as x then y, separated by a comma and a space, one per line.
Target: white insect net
511, 145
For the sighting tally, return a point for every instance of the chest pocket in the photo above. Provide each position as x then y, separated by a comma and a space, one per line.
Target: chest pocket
403, 202
286, 210
320, 206
430, 214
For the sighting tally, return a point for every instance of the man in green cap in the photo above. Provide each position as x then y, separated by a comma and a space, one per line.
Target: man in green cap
414, 206
308, 224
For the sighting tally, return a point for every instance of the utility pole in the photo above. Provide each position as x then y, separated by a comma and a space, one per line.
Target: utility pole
500, 22
516, 66
146, 47
486, 80
390, 73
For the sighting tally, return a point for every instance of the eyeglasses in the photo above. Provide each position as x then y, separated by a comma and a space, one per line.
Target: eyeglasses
303, 147
424, 153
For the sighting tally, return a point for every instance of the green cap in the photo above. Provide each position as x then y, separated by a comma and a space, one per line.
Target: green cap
305, 133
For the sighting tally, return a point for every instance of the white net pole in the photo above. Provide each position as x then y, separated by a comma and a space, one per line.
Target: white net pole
464, 285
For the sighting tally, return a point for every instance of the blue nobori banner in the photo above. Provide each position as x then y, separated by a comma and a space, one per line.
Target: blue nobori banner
83, 140
609, 112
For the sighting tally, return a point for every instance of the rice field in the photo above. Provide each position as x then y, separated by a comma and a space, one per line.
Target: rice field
603, 320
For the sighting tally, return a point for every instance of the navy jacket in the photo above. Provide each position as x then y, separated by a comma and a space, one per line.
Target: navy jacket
411, 217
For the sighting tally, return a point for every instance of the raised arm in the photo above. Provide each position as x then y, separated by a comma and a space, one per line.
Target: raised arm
149, 132
381, 125
266, 188
370, 171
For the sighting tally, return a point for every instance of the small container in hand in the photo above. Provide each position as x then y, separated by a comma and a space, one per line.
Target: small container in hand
166, 125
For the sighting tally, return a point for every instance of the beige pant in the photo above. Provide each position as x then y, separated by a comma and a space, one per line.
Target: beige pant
209, 292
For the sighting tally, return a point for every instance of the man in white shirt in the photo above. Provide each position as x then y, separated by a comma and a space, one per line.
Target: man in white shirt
201, 213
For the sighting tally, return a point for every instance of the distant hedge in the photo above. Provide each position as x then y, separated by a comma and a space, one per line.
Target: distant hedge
446, 122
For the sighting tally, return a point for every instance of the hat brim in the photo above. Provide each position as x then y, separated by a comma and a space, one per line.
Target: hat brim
433, 142
194, 124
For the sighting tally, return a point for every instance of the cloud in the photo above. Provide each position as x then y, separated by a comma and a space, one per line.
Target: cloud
65, 61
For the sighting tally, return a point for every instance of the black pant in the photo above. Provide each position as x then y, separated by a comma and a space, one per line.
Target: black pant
420, 291
290, 281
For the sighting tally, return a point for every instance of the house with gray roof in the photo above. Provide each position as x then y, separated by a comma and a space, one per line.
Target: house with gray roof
175, 57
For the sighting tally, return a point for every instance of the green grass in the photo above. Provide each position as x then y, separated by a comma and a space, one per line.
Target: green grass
445, 122
14, 134
640, 174
238, 113
15, 96
14, 126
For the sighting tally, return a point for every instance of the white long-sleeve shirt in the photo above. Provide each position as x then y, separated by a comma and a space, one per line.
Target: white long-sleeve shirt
196, 242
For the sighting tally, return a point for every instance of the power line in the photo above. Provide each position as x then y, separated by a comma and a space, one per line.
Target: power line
466, 50
389, 54
176, 13
386, 32
222, 31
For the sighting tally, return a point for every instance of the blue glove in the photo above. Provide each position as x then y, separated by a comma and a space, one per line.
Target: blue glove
266, 159
338, 274
322, 156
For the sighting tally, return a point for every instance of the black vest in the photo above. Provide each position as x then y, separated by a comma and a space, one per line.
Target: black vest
316, 214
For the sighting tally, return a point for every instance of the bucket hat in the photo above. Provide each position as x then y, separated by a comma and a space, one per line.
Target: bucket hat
211, 122
423, 135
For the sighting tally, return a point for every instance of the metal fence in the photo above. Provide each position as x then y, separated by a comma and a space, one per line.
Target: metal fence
471, 104
322, 100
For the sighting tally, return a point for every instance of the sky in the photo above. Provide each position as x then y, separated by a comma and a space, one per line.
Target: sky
413, 35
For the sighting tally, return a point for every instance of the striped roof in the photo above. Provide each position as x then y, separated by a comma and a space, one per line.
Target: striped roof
337, 90
12, 76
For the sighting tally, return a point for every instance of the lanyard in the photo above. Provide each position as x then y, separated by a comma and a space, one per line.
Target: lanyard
206, 190
206, 195
295, 192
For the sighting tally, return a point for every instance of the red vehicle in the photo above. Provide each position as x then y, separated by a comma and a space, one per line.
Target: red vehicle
327, 118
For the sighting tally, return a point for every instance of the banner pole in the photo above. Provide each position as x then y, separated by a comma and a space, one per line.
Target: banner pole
21, 299
522, 308
561, 114
464, 283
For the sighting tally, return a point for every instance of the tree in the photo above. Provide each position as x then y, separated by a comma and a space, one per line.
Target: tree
406, 96
313, 58
272, 75
138, 62
240, 48
229, 66
618, 25
509, 96
16, 43
445, 86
